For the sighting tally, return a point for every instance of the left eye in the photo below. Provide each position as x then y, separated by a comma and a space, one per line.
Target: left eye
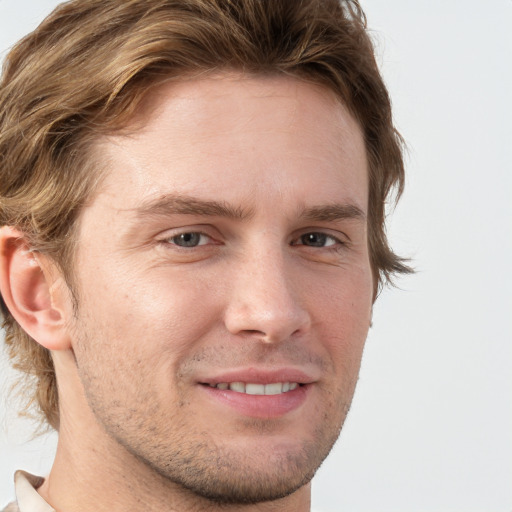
317, 240
192, 239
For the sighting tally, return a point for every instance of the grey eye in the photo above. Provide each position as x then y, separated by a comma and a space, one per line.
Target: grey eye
189, 239
317, 240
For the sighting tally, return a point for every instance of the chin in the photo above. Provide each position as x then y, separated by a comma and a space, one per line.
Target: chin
246, 475
235, 482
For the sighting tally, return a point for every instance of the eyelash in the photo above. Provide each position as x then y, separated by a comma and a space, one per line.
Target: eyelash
335, 242
185, 233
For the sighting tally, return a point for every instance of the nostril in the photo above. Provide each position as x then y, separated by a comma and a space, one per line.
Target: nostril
266, 320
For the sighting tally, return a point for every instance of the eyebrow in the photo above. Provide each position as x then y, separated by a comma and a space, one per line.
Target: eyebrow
190, 205
333, 212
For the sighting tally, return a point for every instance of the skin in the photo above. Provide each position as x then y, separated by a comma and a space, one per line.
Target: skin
279, 282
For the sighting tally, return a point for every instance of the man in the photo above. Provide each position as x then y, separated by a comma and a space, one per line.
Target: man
192, 202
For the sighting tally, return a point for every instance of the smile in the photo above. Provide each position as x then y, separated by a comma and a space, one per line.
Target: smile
275, 388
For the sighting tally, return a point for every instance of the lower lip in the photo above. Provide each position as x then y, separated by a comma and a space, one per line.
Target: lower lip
260, 406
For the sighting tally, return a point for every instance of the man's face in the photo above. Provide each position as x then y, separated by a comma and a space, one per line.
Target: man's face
225, 256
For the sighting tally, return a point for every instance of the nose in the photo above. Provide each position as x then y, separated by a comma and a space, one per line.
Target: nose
265, 300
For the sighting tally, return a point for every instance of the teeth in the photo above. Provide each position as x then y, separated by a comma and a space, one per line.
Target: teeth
255, 389
237, 386
249, 388
273, 389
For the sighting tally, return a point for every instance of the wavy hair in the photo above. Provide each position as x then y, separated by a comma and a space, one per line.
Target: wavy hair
83, 72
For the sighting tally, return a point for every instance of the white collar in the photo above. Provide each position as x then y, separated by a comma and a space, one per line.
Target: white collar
26, 493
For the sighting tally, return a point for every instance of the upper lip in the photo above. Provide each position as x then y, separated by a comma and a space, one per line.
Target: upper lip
260, 376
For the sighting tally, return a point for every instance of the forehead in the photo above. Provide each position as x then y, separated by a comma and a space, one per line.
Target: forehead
203, 136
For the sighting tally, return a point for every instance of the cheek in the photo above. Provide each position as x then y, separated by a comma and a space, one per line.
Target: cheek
344, 316
155, 320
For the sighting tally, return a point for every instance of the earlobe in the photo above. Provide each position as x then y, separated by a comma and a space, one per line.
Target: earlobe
28, 284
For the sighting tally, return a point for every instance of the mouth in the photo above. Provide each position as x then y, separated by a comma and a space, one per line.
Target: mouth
259, 392
250, 388
257, 399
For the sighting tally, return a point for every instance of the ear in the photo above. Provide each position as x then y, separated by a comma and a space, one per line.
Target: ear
32, 289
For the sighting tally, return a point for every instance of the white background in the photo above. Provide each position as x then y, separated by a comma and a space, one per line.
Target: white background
431, 424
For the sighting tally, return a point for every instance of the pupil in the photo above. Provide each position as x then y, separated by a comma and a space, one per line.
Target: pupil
188, 239
314, 239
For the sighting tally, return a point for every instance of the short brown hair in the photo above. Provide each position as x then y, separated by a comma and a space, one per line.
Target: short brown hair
85, 69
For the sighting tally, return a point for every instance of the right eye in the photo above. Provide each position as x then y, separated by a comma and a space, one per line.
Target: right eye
189, 239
